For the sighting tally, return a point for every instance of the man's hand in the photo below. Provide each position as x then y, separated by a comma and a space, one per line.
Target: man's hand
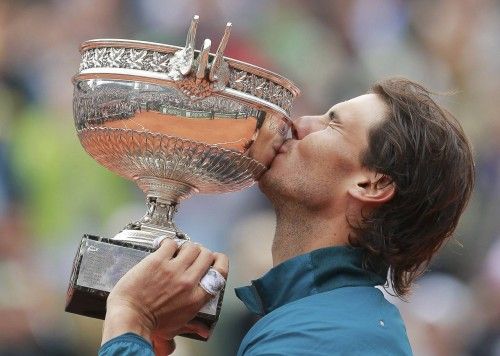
160, 295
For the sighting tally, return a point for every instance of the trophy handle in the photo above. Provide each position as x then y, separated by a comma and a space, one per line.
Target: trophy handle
203, 60
188, 51
219, 55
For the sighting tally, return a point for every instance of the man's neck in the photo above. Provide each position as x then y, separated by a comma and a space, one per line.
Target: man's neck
300, 231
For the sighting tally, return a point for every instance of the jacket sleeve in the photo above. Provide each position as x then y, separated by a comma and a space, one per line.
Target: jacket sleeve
128, 344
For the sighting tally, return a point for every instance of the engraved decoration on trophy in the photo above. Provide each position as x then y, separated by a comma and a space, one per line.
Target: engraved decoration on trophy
176, 121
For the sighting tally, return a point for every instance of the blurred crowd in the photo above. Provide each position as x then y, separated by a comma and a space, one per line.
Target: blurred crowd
52, 192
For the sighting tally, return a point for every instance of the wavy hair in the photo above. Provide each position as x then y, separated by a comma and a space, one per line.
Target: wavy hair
423, 149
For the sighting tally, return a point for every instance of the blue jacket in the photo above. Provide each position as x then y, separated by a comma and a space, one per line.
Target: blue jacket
322, 303
319, 303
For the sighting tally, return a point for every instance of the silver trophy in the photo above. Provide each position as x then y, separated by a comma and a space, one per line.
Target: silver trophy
176, 121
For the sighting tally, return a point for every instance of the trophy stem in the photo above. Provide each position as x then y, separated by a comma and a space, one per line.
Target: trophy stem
163, 196
165, 190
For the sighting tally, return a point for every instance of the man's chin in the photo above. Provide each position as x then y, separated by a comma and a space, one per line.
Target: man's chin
265, 178
273, 185
269, 178
269, 167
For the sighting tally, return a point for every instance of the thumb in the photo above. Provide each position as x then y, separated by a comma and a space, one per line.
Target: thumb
196, 327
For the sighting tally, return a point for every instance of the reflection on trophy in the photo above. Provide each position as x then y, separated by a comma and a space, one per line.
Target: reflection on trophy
176, 121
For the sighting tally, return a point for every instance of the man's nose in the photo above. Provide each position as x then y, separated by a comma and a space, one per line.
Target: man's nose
305, 125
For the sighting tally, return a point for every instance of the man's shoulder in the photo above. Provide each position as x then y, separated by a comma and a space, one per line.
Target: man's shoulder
345, 320
342, 306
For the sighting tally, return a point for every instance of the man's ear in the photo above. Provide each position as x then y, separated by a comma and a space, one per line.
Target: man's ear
375, 188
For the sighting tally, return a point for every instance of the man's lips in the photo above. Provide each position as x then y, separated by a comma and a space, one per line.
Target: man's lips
278, 149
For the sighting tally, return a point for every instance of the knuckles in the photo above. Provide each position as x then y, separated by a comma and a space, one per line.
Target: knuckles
167, 271
206, 252
223, 265
171, 244
194, 248
186, 283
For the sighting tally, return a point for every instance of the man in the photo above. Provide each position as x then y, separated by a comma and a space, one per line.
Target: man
365, 193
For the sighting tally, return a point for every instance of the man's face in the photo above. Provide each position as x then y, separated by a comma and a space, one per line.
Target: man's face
322, 161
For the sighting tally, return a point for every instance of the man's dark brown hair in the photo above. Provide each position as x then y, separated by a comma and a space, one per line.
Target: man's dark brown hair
422, 148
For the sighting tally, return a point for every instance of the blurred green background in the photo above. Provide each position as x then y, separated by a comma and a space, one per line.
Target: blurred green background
52, 192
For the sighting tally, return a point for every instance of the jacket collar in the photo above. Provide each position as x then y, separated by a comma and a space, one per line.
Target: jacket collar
304, 275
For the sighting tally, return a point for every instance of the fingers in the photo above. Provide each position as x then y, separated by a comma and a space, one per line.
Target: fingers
202, 263
214, 280
163, 254
221, 264
187, 254
193, 261
167, 249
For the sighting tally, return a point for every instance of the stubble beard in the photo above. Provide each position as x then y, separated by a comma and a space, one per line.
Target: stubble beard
273, 188
283, 192
287, 199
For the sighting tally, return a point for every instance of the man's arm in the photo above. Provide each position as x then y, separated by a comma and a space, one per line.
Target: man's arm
159, 296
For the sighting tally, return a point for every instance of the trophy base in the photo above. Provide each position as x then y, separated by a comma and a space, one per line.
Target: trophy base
99, 264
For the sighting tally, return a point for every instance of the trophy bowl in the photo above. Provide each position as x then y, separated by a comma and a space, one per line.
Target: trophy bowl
176, 121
